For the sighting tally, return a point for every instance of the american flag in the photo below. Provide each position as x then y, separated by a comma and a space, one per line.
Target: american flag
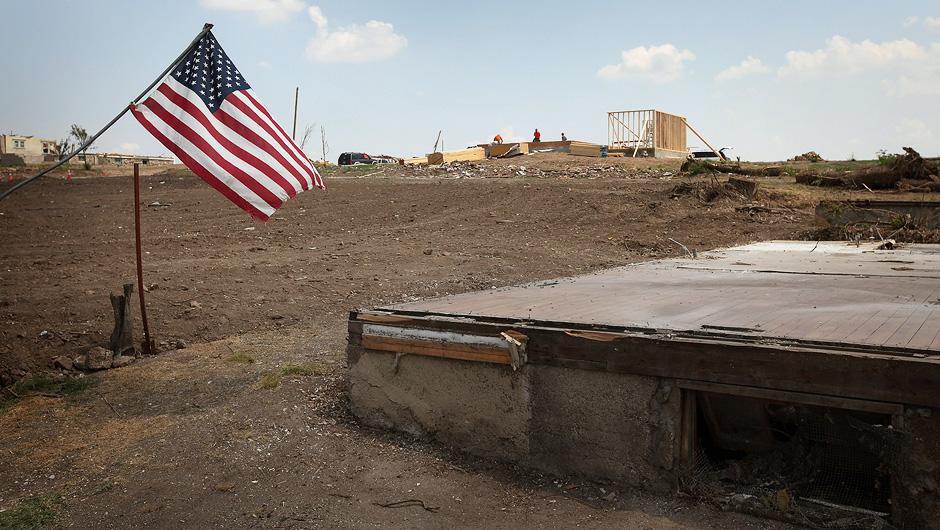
207, 115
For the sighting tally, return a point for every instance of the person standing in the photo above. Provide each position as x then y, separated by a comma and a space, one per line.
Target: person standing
536, 136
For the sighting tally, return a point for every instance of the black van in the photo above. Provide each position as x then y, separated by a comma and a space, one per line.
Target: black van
349, 159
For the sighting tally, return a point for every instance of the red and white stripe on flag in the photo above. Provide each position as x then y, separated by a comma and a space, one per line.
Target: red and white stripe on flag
208, 116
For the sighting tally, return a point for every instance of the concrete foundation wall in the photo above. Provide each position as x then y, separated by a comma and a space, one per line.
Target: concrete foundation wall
478, 407
599, 425
602, 425
594, 424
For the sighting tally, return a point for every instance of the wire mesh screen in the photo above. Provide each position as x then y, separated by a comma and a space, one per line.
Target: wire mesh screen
815, 466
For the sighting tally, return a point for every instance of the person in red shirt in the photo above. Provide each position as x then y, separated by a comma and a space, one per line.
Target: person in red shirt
498, 139
537, 136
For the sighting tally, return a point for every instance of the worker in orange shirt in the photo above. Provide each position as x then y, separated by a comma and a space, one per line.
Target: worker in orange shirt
536, 136
498, 139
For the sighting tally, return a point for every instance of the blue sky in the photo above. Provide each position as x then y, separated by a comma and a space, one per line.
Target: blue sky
841, 77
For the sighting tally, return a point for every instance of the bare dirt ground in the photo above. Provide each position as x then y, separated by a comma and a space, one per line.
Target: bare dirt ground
246, 426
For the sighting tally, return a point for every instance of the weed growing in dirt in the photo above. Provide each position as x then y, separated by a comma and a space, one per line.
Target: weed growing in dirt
34, 512
241, 358
103, 487
269, 380
298, 369
885, 158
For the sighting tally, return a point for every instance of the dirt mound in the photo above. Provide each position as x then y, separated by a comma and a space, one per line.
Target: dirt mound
809, 156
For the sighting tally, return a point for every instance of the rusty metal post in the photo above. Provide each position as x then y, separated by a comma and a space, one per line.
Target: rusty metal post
147, 346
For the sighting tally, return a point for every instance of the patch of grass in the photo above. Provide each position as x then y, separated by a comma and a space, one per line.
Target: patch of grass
103, 487
241, 358
46, 384
298, 369
269, 380
31, 513
696, 167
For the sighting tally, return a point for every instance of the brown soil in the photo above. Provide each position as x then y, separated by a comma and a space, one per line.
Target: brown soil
191, 438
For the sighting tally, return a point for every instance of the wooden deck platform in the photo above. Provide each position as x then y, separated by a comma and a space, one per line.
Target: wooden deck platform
826, 318
836, 293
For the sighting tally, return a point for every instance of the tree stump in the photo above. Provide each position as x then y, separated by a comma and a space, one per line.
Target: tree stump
122, 338
748, 188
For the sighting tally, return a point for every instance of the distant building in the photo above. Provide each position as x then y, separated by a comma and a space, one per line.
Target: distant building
118, 159
29, 149
16, 149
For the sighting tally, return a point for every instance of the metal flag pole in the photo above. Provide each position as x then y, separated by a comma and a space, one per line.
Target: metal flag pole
205, 29
146, 347
293, 135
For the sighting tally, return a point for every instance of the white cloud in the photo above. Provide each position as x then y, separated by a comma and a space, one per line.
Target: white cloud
316, 15
266, 10
749, 66
842, 57
921, 79
928, 22
357, 43
130, 147
914, 132
656, 63
264, 64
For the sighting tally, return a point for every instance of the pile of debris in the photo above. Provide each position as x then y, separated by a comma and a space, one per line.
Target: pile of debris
809, 156
713, 189
908, 171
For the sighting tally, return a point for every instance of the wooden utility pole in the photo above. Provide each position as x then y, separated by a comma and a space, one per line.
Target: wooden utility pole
293, 134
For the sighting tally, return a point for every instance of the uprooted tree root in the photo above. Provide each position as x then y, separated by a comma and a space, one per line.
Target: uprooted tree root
908, 171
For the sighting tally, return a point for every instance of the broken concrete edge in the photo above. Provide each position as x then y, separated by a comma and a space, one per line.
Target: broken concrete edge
852, 371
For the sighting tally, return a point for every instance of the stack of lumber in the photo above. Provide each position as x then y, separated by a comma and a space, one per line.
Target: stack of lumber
463, 155
414, 160
497, 150
584, 149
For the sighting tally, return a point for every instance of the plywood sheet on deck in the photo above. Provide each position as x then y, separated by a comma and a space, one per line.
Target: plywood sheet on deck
830, 292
